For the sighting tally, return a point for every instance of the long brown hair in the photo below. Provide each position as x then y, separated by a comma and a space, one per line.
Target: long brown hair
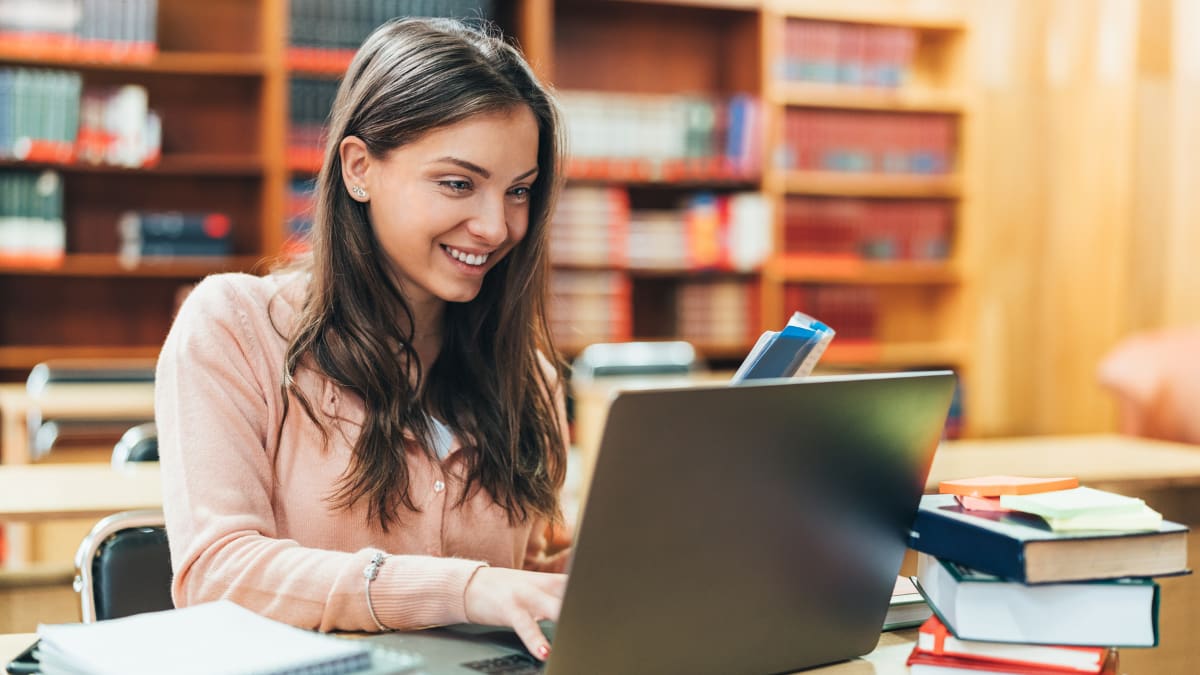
489, 383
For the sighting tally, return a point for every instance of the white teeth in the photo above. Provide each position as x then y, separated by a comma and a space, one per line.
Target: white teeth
468, 258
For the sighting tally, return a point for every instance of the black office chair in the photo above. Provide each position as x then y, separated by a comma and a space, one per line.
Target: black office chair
123, 566
138, 444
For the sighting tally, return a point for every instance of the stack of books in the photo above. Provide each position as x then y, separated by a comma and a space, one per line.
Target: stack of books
1038, 576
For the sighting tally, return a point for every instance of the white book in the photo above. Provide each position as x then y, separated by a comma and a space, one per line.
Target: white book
208, 639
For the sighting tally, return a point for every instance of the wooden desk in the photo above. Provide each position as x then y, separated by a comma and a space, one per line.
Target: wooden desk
887, 659
123, 400
111, 401
39, 492
1122, 463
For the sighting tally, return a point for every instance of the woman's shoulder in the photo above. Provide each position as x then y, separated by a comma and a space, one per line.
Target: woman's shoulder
233, 293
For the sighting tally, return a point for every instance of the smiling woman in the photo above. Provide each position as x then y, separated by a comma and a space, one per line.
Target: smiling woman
374, 438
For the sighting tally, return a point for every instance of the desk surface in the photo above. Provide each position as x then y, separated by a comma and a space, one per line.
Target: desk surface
53, 491
1122, 462
887, 659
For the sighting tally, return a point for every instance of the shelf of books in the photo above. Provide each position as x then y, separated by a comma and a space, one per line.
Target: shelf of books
864, 116
664, 193
728, 154
134, 160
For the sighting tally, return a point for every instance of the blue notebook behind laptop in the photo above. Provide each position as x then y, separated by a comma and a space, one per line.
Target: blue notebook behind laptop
750, 529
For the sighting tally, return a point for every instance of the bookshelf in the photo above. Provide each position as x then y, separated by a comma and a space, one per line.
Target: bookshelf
222, 77
209, 71
854, 94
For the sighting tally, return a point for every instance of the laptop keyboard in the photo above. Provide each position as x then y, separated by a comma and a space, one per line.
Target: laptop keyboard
513, 664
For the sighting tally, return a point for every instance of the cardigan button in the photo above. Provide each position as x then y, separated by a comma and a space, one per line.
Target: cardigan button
438, 486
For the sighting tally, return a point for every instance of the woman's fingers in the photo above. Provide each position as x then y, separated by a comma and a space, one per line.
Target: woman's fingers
531, 634
544, 605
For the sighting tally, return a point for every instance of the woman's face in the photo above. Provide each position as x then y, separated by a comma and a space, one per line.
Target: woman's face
449, 206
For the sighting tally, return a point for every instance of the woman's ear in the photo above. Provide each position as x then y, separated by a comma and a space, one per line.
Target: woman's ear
356, 160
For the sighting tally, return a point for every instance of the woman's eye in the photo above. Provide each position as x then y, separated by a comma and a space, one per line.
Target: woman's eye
456, 185
520, 194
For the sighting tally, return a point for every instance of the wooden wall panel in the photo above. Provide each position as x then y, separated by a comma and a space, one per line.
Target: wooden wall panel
1051, 201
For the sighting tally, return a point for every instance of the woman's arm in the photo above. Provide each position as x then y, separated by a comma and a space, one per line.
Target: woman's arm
213, 388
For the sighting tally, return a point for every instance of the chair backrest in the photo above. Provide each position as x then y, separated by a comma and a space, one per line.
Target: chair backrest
123, 566
635, 358
1155, 378
138, 444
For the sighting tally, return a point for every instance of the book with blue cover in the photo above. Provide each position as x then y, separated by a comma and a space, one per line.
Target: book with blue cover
1023, 547
791, 352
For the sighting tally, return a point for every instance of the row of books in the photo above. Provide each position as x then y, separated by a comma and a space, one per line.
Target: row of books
150, 235
717, 312
49, 116
816, 140
872, 229
97, 30
309, 103
1032, 575
598, 306
854, 310
846, 54
662, 137
595, 225
323, 34
590, 306
32, 230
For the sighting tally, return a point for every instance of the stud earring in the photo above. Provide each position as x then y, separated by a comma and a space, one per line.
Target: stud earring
358, 191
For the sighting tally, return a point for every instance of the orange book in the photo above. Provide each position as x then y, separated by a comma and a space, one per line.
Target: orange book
936, 643
994, 486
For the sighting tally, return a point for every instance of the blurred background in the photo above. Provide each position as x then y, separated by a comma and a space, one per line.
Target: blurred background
1005, 188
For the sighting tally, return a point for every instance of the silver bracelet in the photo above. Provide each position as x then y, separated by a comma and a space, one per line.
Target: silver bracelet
369, 573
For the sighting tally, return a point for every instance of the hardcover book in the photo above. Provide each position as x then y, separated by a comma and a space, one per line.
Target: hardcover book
1022, 547
981, 607
935, 640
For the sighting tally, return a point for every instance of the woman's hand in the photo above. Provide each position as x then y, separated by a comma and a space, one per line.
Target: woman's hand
498, 596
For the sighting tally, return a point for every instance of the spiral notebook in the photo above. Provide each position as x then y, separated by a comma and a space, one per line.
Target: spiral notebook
211, 639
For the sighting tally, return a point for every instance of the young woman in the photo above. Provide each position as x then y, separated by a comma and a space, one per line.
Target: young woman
374, 439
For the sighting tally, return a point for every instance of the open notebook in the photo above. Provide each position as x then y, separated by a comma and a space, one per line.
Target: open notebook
209, 639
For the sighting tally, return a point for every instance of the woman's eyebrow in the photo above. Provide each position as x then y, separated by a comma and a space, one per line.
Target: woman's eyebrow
469, 166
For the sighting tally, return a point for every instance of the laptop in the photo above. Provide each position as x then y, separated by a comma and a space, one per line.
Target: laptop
754, 529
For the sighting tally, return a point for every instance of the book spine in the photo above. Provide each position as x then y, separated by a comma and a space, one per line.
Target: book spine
173, 226
974, 547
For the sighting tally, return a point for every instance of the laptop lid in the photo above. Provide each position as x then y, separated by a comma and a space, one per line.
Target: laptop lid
754, 529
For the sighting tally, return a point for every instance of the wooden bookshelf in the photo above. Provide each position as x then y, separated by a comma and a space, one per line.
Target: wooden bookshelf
858, 271
799, 95
182, 164
169, 63
214, 80
848, 184
220, 79
103, 265
25, 357
918, 304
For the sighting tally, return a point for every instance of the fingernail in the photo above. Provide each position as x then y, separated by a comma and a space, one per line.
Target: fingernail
544, 651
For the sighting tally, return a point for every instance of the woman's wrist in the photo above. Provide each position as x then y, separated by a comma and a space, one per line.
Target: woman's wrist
370, 572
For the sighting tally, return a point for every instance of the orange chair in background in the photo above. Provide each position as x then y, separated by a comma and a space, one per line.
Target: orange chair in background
1156, 379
